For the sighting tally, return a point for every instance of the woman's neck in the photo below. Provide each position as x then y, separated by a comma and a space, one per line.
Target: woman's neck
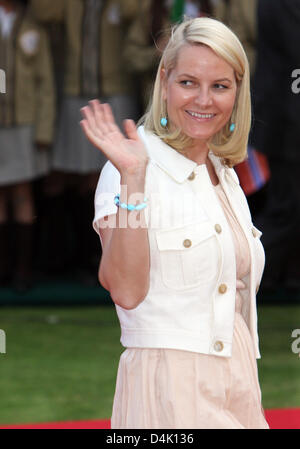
198, 153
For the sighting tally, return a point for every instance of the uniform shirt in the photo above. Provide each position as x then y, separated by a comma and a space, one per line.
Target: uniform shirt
6, 21
26, 60
113, 79
190, 303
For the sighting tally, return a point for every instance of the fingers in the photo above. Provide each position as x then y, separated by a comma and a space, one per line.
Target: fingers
109, 118
97, 130
100, 119
99, 143
92, 137
97, 110
90, 118
130, 129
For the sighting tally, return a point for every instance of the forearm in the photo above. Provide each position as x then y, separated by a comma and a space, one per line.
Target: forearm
125, 264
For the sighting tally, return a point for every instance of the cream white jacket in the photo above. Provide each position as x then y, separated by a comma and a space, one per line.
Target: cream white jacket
190, 303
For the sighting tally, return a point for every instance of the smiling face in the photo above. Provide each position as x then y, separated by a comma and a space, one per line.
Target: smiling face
200, 92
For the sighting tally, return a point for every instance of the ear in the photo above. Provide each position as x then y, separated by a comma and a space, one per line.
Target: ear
163, 81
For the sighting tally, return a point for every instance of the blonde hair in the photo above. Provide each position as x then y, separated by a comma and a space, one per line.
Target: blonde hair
230, 146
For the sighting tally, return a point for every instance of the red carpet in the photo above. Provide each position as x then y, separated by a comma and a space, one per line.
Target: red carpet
277, 419
288, 418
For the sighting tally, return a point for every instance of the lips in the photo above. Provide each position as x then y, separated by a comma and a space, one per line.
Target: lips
201, 116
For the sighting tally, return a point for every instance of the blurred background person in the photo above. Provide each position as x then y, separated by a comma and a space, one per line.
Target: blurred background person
254, 172
94, 32
26, 131
276, 132
148, 35
240, 16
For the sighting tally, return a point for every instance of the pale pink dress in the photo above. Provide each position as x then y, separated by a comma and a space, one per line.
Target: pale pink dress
175, 389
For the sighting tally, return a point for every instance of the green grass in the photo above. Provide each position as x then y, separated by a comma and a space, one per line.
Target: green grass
61, 362
279, 367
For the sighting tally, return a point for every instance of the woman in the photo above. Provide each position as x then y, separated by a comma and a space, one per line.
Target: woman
27, 113
185, 295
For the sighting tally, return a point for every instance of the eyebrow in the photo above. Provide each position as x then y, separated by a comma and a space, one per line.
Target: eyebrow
215, 81
223, 79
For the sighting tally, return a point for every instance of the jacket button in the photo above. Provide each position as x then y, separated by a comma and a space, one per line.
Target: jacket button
254, 233
222, 288
192, 176
218, 346
218, 228
187, 243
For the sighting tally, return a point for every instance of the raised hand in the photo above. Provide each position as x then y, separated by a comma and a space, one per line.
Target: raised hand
126, 153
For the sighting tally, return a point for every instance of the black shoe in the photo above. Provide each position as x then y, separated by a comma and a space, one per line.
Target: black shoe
21, 286
23, 279
54, 236
5, 281
87, 243
5, 254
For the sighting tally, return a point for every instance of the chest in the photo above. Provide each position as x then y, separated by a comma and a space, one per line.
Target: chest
193, 201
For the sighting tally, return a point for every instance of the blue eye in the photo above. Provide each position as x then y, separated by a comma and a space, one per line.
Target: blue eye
220, 86
186, 82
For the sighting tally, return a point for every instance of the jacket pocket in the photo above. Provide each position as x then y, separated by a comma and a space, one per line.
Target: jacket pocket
188, 255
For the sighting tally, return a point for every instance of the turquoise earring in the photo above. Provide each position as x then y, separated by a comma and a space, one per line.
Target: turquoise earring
232, 127
164, 122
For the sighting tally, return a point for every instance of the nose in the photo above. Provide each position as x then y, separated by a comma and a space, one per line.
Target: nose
203, 98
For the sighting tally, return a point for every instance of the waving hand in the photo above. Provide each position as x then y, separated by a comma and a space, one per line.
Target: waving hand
127, 153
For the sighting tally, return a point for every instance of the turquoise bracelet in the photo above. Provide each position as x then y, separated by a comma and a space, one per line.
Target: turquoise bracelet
130, 206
